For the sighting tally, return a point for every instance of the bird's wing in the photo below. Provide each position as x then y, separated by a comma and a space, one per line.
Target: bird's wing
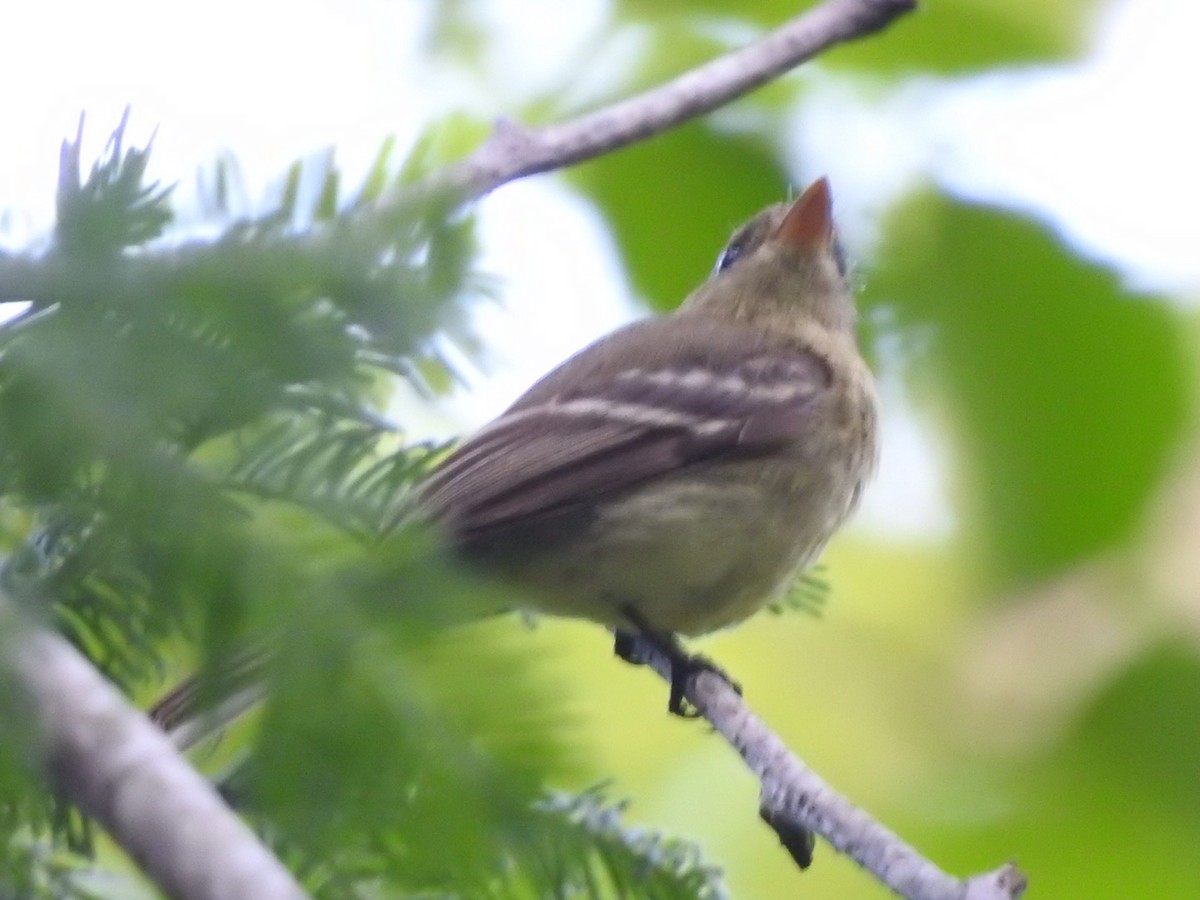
630, 417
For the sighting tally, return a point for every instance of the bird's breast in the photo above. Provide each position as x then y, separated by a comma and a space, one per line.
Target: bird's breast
705, 549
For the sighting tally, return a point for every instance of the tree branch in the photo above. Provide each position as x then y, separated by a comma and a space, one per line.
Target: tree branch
795, 799
514, 151
108, 759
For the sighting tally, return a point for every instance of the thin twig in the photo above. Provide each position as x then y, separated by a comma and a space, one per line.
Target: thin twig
794, 798
118, 768
514, 151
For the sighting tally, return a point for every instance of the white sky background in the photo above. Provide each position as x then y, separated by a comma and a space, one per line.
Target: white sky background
1105, 150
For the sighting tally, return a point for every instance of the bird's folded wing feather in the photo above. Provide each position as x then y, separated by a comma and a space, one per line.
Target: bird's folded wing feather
625, 419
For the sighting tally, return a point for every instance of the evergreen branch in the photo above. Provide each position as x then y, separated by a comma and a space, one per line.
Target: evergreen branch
133, 377
35, 869
806, 594
359, 299
117, 767
333, 466
574, 845
590, 853
113, 209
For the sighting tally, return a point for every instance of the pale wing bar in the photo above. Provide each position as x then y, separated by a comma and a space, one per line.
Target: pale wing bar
604, 437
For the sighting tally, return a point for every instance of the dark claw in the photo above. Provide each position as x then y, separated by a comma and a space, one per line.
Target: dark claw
683, 669
680, 674
796, 839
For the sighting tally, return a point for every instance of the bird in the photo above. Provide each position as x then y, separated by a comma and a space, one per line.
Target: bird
674, 476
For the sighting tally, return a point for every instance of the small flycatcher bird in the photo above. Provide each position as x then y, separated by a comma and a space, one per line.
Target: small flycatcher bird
674, 476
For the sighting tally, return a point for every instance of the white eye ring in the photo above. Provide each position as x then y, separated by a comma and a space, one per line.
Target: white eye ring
727, 258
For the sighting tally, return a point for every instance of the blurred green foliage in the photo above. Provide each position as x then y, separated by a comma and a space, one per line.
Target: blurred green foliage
1112, 810
193, 449
946, 37
1069, 395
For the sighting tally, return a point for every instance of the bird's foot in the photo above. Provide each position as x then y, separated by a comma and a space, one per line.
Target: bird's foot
638, 648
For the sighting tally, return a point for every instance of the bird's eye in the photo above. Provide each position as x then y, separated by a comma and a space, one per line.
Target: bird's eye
728, 256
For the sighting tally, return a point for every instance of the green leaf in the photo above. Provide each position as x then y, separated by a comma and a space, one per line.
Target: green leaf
1112, 807
944, 36
951, 36
1147, 720
1066, 394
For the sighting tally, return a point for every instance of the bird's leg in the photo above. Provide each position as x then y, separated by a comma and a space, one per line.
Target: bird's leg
638, 645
